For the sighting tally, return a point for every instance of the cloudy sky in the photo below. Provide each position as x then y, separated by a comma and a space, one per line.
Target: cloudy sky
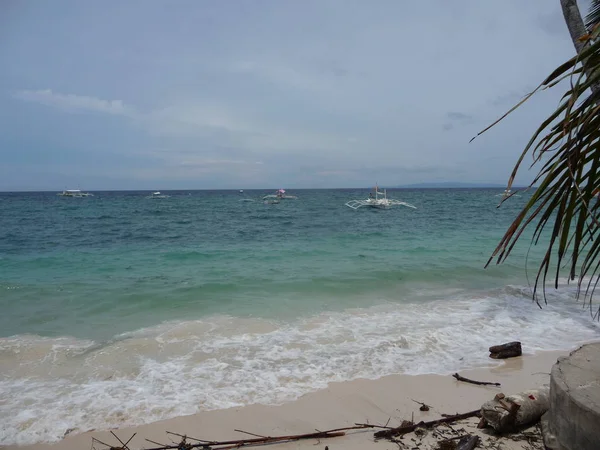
265, 93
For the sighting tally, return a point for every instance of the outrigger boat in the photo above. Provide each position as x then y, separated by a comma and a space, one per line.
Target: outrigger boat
74, 193
279, 195
157, 194
379, 201
507, 193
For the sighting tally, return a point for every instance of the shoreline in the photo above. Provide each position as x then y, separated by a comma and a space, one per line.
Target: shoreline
341, 404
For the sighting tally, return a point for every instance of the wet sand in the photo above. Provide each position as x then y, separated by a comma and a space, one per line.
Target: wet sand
341, 405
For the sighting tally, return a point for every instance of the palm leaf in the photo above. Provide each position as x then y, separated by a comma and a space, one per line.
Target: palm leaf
562, 211
593, 17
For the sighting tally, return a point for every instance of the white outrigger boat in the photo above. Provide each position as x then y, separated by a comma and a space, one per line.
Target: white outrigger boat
157, 194
279, 195
507, 193
379, 201
74, 193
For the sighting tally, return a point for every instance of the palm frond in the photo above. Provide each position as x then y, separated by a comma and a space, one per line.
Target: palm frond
593, 17
564, 209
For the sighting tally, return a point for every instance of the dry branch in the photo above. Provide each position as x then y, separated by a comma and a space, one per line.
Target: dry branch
403, 429
222, 445
479, 383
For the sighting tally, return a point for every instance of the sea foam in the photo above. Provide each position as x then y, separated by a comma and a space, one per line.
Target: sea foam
50, 385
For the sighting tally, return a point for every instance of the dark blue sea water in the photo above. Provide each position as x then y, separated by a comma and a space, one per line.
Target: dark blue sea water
115, 302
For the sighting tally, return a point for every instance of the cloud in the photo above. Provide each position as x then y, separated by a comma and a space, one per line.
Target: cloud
453, 115
218, 90
456, 118
74, 103
205, 120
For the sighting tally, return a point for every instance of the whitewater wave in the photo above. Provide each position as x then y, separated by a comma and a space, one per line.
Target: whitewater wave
50, 385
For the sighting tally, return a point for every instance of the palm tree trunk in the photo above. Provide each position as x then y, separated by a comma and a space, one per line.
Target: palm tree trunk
576, 27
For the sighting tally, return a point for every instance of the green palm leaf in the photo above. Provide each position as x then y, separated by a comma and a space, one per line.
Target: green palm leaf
593, 17
562, 211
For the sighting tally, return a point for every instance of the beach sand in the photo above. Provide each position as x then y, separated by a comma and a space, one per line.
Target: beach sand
344, 404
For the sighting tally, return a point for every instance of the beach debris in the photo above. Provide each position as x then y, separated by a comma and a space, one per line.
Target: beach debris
506, 413
503, 413
123, 444
222, 445
424, 407
465, 442
403, 429
479, 383
508, 350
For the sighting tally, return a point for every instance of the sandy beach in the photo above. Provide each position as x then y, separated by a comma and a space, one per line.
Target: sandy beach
344, 404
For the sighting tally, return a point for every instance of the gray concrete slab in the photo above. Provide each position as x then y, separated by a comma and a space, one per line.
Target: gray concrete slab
573, 421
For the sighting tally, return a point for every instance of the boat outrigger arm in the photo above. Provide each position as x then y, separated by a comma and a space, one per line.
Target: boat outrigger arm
379, 201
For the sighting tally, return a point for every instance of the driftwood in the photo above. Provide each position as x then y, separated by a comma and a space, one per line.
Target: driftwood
508, 350
479, 383
222, 445
507, 413
403, 429
466, 442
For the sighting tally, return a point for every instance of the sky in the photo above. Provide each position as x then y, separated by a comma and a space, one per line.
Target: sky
241, 94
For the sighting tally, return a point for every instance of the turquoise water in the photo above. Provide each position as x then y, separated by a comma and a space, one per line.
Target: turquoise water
115, 307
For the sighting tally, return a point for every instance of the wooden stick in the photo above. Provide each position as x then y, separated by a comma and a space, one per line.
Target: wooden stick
479, 383
242, 444
132, 436
186, 437
98, 440
267, 440
252, 434
409, 428
124, 445
368, 425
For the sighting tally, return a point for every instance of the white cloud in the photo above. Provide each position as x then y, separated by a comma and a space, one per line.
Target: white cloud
205, 120
74, 102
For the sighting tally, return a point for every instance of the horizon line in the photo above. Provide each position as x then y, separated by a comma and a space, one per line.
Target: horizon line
270, 189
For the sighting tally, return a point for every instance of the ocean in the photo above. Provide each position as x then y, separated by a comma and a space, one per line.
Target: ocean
119, 310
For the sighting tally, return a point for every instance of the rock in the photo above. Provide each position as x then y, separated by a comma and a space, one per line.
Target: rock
508, 350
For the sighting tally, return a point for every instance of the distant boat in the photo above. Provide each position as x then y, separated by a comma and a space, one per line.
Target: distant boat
279, 195
241, 191
74, 193
157, 194
507, 193
379, 201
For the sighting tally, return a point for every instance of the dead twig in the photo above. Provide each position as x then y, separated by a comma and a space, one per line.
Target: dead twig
155, 443
409, 428
479, 383
368, 425
252, 434
184, 436
263, 439
124, 445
